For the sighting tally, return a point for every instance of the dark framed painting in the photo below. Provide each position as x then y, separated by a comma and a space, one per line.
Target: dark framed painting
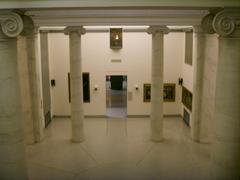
86, 87
187, 98
186, 117
169, 90
146, 92
115, 38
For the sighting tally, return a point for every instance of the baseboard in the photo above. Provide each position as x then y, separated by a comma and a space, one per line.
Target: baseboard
172, 115
86, 116
128, 116
138, 116
61, 116
148, 116
96, 116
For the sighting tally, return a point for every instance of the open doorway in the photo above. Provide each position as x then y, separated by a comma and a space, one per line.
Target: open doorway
116, 96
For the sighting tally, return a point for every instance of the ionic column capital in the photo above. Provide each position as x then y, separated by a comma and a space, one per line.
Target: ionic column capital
206, 26
158, 29
29, 27
227, 22
11, 23
74, 29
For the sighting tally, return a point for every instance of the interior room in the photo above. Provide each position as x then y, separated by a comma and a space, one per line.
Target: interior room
119, 90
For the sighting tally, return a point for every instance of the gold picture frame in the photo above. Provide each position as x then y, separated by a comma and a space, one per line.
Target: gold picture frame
169, 92
116, 38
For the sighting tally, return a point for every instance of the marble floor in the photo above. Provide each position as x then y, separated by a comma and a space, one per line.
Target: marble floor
118, 149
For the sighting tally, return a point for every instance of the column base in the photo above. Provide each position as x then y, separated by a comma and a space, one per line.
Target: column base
195, 140
77, 140
195, 137
156, 140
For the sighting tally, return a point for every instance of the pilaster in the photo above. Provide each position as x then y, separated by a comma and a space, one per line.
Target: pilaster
12, 150
226, 146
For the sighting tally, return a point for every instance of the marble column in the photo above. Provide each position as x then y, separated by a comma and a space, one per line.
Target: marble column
226, 146
12, 152
76, 82
200, 33
198, 64
157, 81
25, 90
34, 81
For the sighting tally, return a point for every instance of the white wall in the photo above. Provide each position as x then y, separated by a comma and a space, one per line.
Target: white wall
136, 64
187, 75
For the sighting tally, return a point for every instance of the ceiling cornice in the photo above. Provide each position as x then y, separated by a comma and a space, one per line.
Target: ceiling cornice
12, 4
103, 17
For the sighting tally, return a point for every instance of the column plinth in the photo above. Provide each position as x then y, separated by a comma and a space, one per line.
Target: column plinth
226, 146
77, 116
157, 81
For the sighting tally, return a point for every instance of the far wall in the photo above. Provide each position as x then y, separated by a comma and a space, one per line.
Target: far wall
135, 63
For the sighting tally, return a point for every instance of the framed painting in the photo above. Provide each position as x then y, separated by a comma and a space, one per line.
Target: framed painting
169, 92
146, 92
85, 85
187, 98
116, 38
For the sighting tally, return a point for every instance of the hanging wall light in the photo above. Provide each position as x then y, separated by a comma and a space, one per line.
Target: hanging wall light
115, 38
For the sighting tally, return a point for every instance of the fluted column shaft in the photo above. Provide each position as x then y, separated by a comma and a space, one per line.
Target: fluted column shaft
76, 82
226, 146
157, 81
34, 81
12, 152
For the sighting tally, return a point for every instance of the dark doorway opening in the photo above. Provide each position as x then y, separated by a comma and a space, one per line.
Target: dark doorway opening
116, 96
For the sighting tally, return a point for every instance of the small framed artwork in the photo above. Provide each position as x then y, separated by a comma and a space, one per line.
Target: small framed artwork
86, 87
146, 92
187, 98
169, 92
116, 38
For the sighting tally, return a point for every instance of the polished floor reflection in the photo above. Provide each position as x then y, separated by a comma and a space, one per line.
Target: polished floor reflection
116, 97
117, 149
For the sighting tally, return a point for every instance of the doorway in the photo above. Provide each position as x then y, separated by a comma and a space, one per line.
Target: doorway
116, 96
